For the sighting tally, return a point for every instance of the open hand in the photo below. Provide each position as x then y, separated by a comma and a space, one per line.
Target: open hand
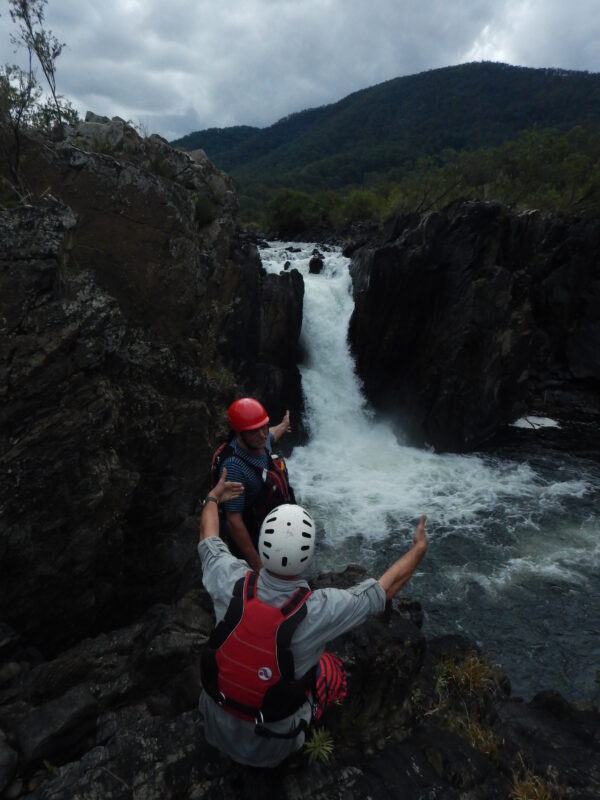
419, 538
226, 490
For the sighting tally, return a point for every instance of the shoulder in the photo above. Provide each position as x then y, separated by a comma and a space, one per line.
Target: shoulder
235, 465
220, 569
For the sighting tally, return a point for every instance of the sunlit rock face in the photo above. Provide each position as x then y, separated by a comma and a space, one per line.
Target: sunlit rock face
132, 314
468, 318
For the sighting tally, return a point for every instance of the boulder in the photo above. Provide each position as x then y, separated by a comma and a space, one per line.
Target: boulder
315, 265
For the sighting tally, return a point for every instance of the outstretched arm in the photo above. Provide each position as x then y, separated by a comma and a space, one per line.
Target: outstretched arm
394, 578
283, 427
223, 491
243, 540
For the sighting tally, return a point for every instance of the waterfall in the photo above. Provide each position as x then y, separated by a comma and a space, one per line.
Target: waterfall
496, 524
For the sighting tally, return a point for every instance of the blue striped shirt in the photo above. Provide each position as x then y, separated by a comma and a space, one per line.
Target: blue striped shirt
237, 470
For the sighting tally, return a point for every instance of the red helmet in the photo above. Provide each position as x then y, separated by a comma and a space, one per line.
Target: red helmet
247, 414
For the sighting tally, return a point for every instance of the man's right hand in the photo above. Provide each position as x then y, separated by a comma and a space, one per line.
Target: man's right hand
419, 538
401, 571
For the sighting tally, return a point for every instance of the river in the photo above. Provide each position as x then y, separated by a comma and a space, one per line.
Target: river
514, 554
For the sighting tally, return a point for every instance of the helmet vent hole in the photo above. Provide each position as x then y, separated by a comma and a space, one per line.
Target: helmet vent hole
307, 535
269, 530
307, 522
268, 544
305, 547
284, 561
303, 559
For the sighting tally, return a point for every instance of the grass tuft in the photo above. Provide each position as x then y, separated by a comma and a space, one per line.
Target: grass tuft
320, 746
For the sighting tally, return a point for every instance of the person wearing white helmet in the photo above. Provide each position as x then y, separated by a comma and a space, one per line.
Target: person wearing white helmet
266, 676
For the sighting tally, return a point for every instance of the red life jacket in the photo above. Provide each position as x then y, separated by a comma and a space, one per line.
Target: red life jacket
275, 490
248, 666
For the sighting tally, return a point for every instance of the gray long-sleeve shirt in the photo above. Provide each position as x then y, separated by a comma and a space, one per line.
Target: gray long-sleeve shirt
329, 613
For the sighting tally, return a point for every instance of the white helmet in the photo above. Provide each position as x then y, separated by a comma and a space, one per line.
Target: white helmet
286, 543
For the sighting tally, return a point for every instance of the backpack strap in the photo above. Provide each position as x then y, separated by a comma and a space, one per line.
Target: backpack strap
294, 611
250, 585
233, 615
296, 600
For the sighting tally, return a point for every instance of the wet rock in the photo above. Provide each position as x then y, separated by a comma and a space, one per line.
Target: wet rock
315, 265
467, 318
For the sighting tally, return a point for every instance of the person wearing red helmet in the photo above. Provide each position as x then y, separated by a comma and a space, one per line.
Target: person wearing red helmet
249, 460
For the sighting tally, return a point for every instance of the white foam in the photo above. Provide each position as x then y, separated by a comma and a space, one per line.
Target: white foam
534, 423
355, 477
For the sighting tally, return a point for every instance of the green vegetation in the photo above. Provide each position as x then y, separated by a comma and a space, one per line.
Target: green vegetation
21, 106
548, 170
470, 130
320, 746
461, 701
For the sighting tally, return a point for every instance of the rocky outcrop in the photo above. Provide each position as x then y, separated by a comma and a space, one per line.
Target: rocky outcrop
115, 716
131, 315
468, 318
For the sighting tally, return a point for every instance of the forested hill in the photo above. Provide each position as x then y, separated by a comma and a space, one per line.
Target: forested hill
383, 130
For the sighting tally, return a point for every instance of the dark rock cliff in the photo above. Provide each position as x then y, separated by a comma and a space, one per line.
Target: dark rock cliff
132, 312
468, 318
132, 315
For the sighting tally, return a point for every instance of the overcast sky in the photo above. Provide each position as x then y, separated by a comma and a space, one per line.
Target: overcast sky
178, 66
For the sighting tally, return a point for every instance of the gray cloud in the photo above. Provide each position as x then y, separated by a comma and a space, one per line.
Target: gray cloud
191, 64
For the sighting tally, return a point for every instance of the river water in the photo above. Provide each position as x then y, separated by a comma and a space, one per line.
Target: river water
514, 553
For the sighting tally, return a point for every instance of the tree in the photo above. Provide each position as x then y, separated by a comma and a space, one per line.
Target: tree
19, 95
21, 105
29, 16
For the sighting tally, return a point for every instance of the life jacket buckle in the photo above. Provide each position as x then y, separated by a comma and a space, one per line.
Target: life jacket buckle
259, 719
221, 699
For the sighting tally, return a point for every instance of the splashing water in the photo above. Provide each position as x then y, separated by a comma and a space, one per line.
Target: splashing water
514, 546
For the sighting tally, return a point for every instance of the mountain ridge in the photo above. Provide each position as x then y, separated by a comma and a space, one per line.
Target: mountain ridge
385, 128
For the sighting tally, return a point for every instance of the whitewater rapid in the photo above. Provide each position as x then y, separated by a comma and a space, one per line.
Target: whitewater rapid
496, 525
